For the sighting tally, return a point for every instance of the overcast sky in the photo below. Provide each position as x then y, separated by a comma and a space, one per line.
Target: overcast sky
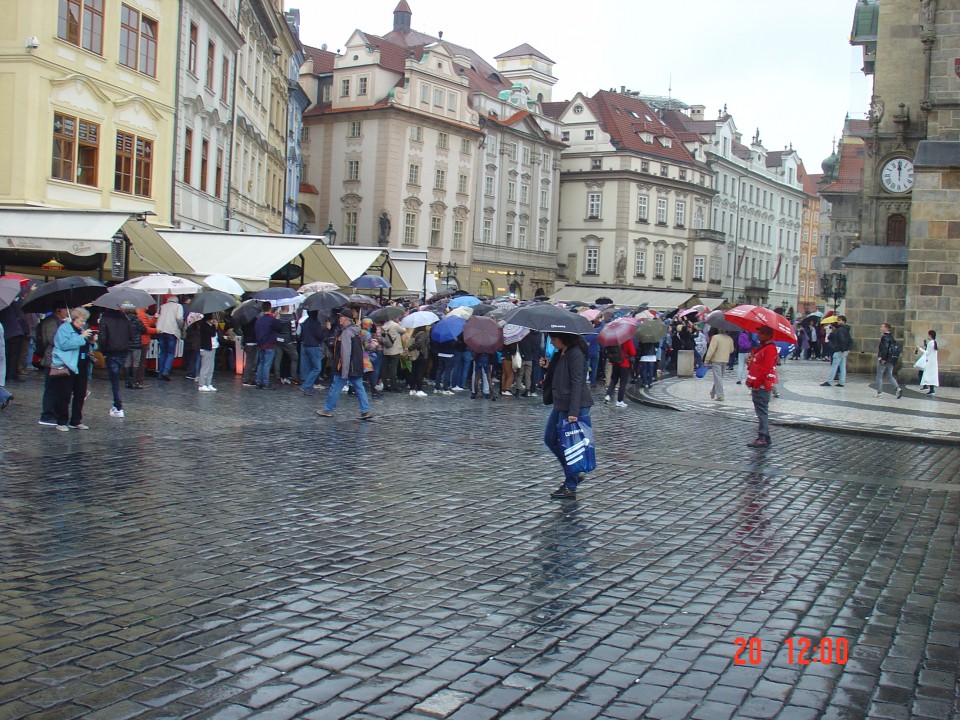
785, 67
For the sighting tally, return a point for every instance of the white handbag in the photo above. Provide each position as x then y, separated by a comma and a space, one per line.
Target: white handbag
517, 360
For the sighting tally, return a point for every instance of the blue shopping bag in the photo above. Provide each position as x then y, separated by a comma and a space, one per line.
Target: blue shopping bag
576, 441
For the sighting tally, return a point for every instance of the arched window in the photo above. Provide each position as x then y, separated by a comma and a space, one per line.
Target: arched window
896, 230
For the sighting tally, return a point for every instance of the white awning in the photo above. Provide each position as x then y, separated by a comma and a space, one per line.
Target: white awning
79, 232
410, 265
247, 257
712, 303
355, 261
654, 299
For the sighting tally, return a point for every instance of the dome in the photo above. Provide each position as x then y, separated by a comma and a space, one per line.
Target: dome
830, 166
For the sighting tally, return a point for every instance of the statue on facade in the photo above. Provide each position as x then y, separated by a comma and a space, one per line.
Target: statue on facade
384, 237
876, 110
621, 267
928, 11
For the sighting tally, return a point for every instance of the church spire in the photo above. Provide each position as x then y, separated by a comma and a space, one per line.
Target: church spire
401, 17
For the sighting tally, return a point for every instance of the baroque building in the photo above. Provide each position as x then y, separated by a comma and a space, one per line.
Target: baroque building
809, 242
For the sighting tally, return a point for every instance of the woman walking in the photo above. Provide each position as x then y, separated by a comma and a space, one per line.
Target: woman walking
565, 387
930, 365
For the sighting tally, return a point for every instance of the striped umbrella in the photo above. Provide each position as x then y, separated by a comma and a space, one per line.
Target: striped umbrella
514, 333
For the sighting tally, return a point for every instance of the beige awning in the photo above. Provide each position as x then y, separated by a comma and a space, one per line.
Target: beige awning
654, 299
78, 232
355, 261
410, 266
150, 253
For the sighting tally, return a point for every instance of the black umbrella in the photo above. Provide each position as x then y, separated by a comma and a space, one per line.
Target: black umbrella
211, 301
245, 312
390, 312
362, 301
324, 302
125, 298
482, 309
440, 296
549, 318
68, 292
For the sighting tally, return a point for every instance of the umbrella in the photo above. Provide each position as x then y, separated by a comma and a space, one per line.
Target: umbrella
246, 312
617, 332
449, 328
276, 295
483, 334
695, 310
223, 283
124, 298
390, 312
318, 286
814, 314
9, 289
440, 295
717, 320
549, 318
464, 301
162, 284
211, 301
603, 301
504, 305
371, 282
590, 314
13, 276
362, 301
514, 333
325, 301
461, 312
419, 319
650, 331
645, 315
830, 320
753, 317
482, 308
65, 292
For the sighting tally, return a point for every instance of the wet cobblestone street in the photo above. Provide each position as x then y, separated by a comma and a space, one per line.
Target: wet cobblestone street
236, 556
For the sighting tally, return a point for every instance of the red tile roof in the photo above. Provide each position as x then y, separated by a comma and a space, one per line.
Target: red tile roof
850, 178
403, 7
308, 188
322, 59
554, 109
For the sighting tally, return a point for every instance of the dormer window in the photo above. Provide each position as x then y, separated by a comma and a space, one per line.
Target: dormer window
577, 109
646, 137
666, 142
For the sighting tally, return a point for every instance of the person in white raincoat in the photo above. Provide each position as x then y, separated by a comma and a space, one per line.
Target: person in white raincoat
927, 362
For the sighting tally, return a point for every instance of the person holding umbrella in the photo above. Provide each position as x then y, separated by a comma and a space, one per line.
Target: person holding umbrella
761, 377
71, 352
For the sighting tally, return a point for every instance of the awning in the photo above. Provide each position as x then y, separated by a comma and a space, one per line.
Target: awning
79, 232
711, 303
150, 253
355, 261
654, 299
410, 266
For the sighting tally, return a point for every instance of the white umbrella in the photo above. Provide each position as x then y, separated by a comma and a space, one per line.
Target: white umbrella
223, 283
463, 312
159, 284
318, 286
419, 319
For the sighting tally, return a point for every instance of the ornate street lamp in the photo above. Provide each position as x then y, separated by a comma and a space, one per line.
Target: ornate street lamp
835, 287
331, 234
448, 271
515, 281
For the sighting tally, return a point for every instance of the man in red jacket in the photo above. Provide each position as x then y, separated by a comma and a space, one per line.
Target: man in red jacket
761, 377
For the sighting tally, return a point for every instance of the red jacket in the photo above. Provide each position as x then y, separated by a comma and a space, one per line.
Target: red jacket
629, 351
762, 367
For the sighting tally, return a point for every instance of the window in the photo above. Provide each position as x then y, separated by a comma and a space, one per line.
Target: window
353, 169
424, 93
443, 141
76, 147
464, 146
192, 49
699, 268
525, 156
350, 228
661, 211
509, 235
409, 228
436, 225
345, 87
354, 130
458, 234
440, 180
491, 145
80, 23
545, 162
596, 163
565, 136
211, 62
134, 167
593, 206
588, 134
677, 266
488, 185
462, 182
362, 86
204, 163
188, 156
325, 94
658, 259
592, 263
416, 133
138, 41
511, 191
522, 237
225, 79
643, 209
681, 213
438, 97
524, 194
451, 101
682, 173
644, 166
714, 269
542, 240
487, 230
218, 180
640, 263
413, 174
544, 198
512, 151
664, 170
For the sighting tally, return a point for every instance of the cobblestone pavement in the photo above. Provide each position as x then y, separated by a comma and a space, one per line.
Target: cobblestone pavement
232, 555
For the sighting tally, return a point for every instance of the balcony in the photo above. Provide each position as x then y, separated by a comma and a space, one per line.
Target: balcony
756, 286
715, 236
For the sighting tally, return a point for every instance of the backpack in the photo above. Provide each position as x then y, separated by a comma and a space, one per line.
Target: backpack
743, 342
894, 352
387, 340
615, 354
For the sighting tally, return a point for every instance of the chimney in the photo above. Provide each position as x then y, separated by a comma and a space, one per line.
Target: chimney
696, 112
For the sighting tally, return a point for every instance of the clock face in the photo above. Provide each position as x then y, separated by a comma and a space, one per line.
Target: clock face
897, 175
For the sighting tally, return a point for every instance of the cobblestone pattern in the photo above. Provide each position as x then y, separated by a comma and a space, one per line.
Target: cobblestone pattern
415, 568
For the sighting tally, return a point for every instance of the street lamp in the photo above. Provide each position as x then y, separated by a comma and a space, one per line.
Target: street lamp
834, 286
448, 271
331, 234
515, 281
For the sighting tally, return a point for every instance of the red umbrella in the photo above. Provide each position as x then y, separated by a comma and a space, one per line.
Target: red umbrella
753, 317
13, 276
483, 334
617, 332
695, 310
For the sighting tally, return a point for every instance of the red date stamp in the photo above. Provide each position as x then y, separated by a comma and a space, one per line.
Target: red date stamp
800, 651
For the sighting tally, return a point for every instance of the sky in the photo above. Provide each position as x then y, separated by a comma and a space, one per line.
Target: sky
783, 67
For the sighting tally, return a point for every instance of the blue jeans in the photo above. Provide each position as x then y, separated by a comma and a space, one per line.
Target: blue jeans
839, 360
376, 358
168, 350
336, 387
552, 440
647, 371
311, 365
593, 366
264, 363
115, 363
461, 368
444, 372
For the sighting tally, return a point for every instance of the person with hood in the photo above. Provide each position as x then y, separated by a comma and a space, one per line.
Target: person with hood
348, 368
169, 330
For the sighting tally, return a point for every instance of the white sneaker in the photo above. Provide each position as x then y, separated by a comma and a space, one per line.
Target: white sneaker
606, 398
379, 387
457, 389
437, 391
346, 389
446, 392
621, 403
204, 388
211, 388
116, 413
420, 393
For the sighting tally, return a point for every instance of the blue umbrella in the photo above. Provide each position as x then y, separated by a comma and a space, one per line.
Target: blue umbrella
273, 294
371, 282
448, 329
464, 301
